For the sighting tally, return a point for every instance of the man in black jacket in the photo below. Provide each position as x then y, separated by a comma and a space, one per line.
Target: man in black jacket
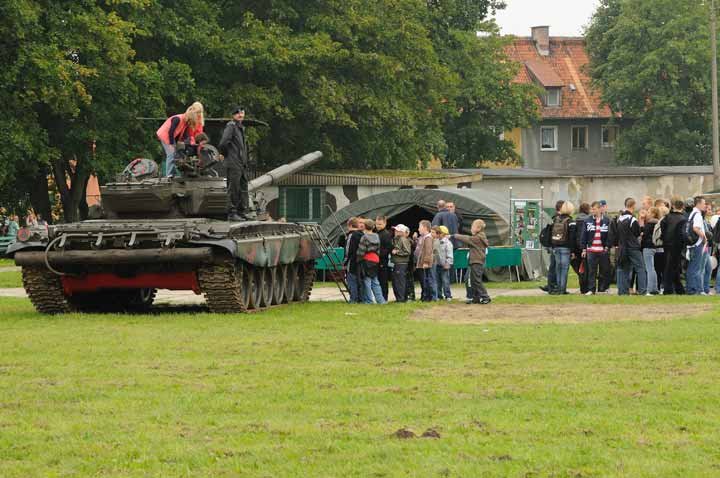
551, 274
672, 226
233, 146
629, 254
355, 232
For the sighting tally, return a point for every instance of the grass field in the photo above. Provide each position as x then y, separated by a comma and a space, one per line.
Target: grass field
10, 279
4, 262
320, 389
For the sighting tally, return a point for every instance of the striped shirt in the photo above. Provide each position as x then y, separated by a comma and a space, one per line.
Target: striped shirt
597, 245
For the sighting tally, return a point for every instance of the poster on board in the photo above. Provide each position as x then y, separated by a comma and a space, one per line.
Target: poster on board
525, 227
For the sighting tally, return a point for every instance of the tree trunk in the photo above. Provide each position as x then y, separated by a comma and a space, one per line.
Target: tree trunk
40, 196
72, 195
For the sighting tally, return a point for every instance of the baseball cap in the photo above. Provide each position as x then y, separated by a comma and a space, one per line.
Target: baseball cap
238, 109
603, 202
444, 230
401, 227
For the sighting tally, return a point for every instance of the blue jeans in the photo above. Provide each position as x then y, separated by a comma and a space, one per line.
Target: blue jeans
443, 283
649, 260
633, 262
353, 283
562, 265
429, 284
707, 274
696, 270
372, 288
169, 159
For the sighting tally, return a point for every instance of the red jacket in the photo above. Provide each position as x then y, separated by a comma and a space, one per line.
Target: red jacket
180, 130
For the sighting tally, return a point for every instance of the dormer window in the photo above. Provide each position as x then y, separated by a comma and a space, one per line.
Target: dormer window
552, 97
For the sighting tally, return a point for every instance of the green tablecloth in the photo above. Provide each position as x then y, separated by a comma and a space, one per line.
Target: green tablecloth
496, 257
323, 263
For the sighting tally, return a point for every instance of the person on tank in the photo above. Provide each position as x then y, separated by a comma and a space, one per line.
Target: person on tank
180, 128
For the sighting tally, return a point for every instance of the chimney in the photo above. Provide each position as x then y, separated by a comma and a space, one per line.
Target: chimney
541, 37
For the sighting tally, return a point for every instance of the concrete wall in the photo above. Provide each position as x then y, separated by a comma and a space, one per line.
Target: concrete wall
575, 189
565, 158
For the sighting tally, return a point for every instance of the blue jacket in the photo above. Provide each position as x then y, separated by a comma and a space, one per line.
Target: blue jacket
588, 232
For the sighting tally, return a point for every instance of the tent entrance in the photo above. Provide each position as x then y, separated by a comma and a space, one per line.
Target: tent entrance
411, 217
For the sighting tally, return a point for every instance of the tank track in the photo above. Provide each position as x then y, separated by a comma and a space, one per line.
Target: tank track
308, 280
45, 291
220, 284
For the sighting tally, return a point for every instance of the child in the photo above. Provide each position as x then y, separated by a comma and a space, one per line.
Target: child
368, 263
424, 260
445, 263
478, 245
401, 250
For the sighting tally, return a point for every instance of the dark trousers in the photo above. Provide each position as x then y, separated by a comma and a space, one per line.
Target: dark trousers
582, 276
598, 280
552, 273
476, 282
238, 197
673, 268
399, 282
659, 266
384, 278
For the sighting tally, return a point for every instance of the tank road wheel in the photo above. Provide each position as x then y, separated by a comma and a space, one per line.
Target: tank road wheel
278, 285
306, 274
45, 290
226, 286
298, 282
141, 300
256, 287
267, 287
290, 281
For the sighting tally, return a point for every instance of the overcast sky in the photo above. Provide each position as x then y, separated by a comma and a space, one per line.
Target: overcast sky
565, 17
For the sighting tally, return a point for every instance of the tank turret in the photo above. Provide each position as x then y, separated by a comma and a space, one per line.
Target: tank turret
200, 194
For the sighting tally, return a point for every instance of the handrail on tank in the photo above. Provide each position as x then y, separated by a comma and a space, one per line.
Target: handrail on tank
273, 177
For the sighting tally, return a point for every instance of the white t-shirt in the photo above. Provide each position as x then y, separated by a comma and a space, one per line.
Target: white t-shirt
698, 223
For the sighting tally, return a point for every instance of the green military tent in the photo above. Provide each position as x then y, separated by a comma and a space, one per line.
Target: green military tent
409, 206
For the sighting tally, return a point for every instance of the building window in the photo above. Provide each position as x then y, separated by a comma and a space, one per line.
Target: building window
548, 138
609, 136
299, 204
579, 138
552, 97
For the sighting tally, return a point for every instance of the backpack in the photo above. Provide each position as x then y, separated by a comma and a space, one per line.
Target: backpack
545, 236
613, 239
657, 234
689, 236
560, 231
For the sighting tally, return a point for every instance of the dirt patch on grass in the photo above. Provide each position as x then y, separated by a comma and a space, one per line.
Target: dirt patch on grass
570, 313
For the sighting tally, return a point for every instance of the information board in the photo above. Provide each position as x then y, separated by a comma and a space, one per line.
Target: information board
526, 223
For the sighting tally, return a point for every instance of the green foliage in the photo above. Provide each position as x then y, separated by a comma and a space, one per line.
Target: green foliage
651, 60
371, 83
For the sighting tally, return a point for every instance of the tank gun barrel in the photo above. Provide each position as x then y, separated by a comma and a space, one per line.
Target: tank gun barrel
274, 176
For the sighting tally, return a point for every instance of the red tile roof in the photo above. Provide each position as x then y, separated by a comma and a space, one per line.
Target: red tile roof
564, 66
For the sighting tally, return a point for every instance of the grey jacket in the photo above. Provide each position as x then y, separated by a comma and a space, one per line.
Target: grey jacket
369, 242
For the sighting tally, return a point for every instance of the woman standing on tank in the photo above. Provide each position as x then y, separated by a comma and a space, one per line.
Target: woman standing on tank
182, 127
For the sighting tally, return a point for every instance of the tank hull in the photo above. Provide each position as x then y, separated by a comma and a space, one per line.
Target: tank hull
117, 265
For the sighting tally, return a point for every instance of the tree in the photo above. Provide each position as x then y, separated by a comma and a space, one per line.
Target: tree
70, 82
650, 58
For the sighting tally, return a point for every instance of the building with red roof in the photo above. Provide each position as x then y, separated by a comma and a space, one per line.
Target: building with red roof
576, 131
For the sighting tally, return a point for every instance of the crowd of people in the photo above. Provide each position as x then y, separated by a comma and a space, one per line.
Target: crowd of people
649, 245
10, 223
377, 256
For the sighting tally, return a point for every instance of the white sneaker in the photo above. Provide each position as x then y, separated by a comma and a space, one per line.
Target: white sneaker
704, 293
648, 294
589, 292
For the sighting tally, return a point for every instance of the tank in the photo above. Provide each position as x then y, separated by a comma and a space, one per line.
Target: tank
169, 233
